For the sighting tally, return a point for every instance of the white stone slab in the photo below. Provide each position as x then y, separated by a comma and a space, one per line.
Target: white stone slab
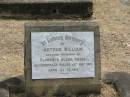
62, 55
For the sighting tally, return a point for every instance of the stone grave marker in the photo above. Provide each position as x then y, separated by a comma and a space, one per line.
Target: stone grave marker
62, 58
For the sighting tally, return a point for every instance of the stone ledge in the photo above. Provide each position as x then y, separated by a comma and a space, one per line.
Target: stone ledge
41, 1
54, 10
4, 92
121, 81
62, 23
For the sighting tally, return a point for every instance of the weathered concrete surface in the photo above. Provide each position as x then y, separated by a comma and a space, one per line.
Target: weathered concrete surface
41, 1
121, 80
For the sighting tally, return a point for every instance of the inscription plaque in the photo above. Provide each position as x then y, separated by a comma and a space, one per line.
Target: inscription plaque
62, 55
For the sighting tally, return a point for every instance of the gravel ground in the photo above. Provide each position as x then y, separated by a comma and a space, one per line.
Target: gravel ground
114, 20
113, 17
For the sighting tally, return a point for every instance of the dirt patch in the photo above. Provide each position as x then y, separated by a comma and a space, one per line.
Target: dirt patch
114, 22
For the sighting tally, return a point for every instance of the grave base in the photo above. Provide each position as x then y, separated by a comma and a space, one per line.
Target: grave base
63, 89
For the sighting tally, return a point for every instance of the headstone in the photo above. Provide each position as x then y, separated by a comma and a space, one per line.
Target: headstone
46, 8
62, 58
